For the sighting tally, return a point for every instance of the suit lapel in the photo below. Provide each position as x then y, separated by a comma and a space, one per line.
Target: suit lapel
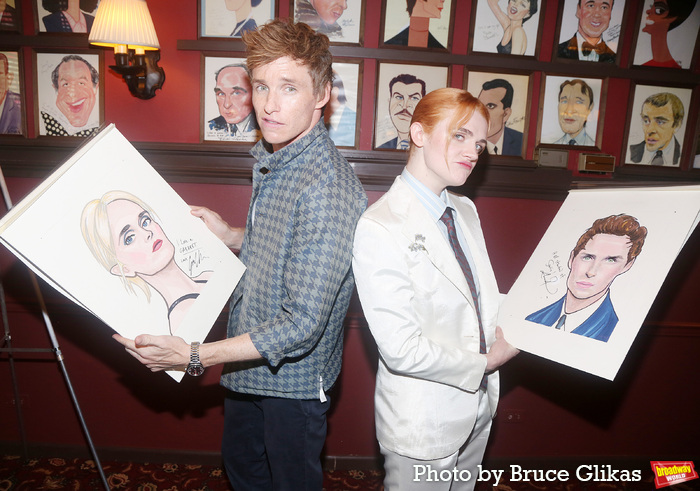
419, 228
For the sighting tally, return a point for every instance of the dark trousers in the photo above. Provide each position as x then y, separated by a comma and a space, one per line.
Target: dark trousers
272, 443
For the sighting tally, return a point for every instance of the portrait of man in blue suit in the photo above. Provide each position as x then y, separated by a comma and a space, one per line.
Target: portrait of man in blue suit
497, 96
606, 250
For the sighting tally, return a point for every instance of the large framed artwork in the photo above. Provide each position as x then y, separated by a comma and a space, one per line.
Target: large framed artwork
667, 33
399, 88
340, 20
69, 99
341, 113
12, 111
227, 101
585, 291
570, 111
507, 98
507, 27
11, 16
424, 24
656, 125
64, 16
231, 18
590, 30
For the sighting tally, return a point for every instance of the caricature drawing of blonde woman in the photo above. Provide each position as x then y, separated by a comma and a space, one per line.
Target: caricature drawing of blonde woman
122, 235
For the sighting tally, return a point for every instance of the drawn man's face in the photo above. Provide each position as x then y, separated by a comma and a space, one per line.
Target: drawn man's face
593, 18
329, 10
76, 94
140, 243
233, 94
498, 115
657, 19
574, 108
5, 80
595, 267
657, 123
334, 102
404, 98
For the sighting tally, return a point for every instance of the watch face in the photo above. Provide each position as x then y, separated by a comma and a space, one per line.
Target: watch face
195, 370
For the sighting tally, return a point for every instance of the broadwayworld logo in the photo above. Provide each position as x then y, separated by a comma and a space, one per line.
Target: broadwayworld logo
669, 473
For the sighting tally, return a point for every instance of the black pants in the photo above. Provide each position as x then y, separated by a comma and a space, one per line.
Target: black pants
272, 443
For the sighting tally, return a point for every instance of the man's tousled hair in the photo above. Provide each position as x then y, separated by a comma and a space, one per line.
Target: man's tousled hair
282, 37
620, 225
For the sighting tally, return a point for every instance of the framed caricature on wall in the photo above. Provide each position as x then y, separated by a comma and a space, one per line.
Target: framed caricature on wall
340, 20
424, 24
667, 33
12, 114
399, 88
231, 18
570, 111
656, 125
507, 98
227, 104
69, 99
341, 111
65, 16
590, 30
11, 16
507, 27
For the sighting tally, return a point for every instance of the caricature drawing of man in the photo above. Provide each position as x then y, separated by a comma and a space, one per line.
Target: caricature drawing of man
587, 44
236, 121
76, 83
497, 96
606, 250
10, 102
574, 107
405, 91
322, 15
662, 115
338, 116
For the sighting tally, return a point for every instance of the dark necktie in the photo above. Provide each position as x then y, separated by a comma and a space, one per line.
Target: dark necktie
658, 158
572, 142
560, 322
447, 219
495, 150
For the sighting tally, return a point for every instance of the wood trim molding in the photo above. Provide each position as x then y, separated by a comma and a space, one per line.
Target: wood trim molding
232, 164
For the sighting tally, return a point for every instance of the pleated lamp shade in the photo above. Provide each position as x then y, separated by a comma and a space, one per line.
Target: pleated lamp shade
124, 23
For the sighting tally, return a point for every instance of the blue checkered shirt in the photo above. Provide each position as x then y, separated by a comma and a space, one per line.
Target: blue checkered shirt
294, 295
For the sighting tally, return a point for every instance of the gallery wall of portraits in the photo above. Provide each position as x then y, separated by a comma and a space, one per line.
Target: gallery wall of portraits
596, 76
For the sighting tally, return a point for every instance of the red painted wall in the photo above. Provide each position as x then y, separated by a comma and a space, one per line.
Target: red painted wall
649, 412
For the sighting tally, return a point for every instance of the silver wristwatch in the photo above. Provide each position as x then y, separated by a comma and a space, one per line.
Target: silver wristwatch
195, 368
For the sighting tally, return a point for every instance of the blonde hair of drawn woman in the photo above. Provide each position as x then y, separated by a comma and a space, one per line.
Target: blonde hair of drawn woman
122, 235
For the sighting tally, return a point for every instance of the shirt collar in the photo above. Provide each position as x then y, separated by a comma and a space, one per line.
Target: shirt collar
593, 55
434, 204
667, 153
275, 160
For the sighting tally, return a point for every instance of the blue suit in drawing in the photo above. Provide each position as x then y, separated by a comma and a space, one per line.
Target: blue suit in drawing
599, 325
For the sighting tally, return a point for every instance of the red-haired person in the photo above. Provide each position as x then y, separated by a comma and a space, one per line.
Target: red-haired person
431, 301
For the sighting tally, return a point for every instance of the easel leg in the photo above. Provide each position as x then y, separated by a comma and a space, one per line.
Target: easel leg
56, 350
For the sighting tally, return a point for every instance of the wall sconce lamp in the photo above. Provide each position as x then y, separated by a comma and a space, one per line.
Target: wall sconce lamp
126, 26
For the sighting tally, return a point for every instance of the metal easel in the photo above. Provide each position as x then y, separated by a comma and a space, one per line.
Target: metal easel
6, 347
